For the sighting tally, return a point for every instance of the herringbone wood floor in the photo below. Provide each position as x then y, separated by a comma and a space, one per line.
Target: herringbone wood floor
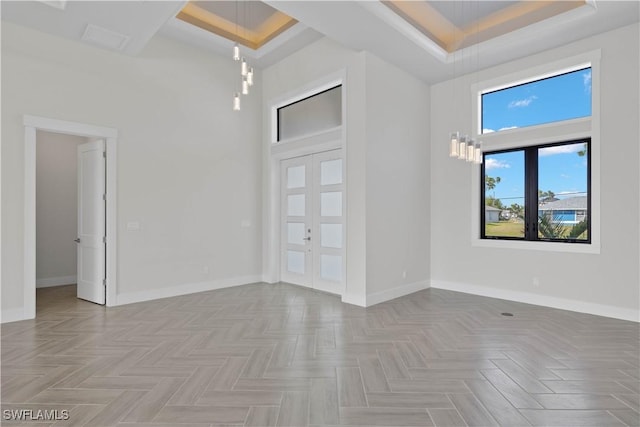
262, 355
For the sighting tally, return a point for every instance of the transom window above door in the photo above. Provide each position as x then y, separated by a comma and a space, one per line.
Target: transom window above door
316, 113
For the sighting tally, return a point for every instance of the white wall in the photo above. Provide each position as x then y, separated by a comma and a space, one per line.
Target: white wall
56, 207
606, 283
397, 153
189, 168
387, 168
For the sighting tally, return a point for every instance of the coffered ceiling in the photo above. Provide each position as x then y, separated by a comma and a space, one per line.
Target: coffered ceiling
250, 23
454, 25
423, 37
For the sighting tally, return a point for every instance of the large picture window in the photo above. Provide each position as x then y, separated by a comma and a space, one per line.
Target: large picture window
538, 193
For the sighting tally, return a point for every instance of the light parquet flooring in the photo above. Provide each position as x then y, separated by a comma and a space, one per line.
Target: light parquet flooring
281, 355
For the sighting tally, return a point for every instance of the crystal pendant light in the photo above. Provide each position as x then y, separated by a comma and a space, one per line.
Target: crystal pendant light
453, 151
462, 147
245, 86
478, 153
244, 68
236, 102
471, 150
236, 52
250, 76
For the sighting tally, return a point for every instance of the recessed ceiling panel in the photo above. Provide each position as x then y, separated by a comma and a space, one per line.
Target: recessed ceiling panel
250, 23
463, 14
455, 25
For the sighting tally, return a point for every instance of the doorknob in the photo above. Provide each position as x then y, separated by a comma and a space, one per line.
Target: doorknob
306, 238
77, 240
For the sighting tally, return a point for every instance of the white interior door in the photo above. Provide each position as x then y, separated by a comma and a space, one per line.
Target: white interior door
296, 256
91, 222
312, 227
328, 248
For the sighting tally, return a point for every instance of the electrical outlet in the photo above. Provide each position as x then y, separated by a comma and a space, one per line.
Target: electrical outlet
536, 282
404, 274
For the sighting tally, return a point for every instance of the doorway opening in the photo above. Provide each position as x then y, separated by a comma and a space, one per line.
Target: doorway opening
95, 207
68, 176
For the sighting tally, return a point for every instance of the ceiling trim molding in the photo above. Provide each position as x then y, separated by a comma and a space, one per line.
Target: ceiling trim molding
517, 36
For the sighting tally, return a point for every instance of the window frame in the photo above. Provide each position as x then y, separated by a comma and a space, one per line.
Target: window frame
297, 101
574, 129
307, 91
531, 187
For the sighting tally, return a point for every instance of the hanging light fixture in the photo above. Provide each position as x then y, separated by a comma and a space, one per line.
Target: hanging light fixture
250, 76
244, 68
478, 153
246, 71
453, 151
471, 150
245, 86
462, 146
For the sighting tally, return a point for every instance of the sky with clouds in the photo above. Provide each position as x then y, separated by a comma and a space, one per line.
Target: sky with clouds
561, 169
544, 101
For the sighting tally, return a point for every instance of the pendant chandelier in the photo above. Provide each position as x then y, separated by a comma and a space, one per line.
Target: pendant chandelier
465, 148
246, 71
461, 146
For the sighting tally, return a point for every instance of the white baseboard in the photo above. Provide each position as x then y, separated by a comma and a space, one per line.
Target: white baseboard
184, 289
389, 294
397, 292
359, 300
12, 315
542, 300
47, 282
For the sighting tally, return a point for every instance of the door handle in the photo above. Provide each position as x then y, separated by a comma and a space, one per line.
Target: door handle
77, 240
306, 238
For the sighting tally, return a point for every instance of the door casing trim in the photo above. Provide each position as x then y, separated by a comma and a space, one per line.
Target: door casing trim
110, 135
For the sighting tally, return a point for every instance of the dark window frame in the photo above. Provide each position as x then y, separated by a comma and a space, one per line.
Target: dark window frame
531, 193
296, 102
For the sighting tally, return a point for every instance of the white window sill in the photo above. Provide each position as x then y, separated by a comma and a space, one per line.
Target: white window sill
580, 248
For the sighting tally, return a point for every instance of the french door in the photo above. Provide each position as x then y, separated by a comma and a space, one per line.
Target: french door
313, 221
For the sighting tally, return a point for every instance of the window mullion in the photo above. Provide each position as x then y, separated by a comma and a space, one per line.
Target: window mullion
531, 193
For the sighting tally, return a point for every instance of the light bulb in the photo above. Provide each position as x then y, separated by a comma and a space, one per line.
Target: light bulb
236, 102
236, 52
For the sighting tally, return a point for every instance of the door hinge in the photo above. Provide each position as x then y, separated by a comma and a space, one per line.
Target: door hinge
104, 239
104, 282
104, 154
104, 197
